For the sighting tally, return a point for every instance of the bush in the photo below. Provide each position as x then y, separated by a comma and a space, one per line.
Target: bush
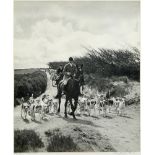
16, 102
60, 143
109, 62
26, 140
55, 65
120, 91
27, 84
118, 85
99, 83
121, 78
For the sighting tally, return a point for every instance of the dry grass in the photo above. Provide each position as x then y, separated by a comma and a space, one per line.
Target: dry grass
60, 143
26, 140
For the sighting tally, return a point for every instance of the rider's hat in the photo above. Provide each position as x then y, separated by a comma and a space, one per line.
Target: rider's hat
70, 59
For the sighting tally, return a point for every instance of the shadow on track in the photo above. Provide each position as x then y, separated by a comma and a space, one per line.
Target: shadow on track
26, 120
126, 116
35, 121
80, 121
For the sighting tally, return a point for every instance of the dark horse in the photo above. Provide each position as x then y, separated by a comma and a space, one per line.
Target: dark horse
72, 92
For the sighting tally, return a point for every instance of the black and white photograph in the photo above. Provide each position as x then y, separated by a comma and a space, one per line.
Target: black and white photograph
76, 76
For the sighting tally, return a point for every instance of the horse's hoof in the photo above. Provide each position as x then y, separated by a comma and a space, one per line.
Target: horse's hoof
74, 118
66, 116
57, 113
71, 113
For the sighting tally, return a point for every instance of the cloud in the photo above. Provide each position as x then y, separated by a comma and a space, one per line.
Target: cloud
56, 32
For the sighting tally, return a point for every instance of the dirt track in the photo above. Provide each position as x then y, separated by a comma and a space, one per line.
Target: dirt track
123, 133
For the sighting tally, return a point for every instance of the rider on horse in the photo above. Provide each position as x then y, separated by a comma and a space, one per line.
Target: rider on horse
69, 72
59, 74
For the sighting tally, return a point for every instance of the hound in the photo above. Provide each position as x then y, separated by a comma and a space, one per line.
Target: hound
36, 108
120, 105
91, 105
82, 104
111, 102
55, 106
99, 103
49, 108
78, 109
39, 106
25, 108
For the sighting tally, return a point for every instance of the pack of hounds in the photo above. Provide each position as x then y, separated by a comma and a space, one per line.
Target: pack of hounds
87, 105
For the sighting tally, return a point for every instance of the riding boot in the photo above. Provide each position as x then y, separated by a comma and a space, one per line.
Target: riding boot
63, 89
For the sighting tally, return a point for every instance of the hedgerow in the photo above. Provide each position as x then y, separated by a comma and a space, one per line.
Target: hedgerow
109, 62
27, 84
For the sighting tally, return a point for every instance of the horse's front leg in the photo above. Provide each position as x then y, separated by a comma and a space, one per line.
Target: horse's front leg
74, 107
59, 105
66, 107
43, 112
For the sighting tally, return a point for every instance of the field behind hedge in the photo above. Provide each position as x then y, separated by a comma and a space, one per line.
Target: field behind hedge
30, 83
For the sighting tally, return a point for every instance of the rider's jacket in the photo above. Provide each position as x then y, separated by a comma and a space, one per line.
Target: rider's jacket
70, 68
59, 71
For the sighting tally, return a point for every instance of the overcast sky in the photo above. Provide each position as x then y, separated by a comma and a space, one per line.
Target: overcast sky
52, 31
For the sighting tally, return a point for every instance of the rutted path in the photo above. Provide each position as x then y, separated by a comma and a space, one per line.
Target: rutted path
123, 133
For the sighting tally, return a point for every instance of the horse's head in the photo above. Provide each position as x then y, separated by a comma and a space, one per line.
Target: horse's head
79, 77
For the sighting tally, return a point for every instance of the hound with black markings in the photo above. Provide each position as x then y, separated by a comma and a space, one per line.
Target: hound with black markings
120, 106
25, 109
